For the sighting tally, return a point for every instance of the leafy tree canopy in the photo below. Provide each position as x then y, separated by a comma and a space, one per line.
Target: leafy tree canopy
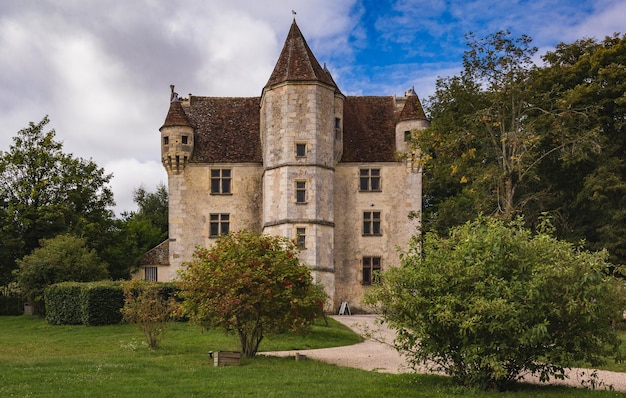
491, 302
251, 284
45, 192
60, 259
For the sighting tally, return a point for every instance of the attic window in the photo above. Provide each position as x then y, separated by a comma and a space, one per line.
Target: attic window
184, 139
166, 140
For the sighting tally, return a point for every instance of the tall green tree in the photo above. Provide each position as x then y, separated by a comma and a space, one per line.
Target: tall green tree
45, 192
131, 236
588, 198
484, 147
60, 259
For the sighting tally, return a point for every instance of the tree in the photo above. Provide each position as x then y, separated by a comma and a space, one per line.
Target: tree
484, 147
252, 284
588, 192
146, 307
491, 302
63, 258
130, 237
45, 192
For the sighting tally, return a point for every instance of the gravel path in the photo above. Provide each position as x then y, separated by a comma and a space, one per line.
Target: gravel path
373, 355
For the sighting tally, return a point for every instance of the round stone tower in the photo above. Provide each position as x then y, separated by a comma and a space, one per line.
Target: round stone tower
300, 124
176, 137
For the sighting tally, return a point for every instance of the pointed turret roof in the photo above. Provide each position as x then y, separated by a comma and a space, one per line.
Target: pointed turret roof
297, 62
176, 115
412, 108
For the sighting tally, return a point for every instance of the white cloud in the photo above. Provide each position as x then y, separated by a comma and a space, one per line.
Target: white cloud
128, 175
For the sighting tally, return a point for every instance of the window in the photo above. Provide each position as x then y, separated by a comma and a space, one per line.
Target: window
301, 238
219, 225
407, 136
166, 140
337, 123
300, 150
300, 191
371, 223
371, 269
220, 181
151, 274
369, 180
184, 139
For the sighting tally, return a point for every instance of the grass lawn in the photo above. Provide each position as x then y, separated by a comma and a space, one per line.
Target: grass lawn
39, 360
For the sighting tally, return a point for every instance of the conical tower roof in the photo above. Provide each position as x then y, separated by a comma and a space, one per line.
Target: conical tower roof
176, 115
297, 62
412, 108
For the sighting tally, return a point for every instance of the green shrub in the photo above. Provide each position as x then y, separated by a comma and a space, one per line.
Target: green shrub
101, 303
63, 305
492, 302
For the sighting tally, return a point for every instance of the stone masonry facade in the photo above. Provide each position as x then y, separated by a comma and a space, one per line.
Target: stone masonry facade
302, 161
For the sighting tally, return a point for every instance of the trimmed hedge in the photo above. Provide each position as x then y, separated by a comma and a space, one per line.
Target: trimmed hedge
102, 303
87, 303
63, 305
90, 303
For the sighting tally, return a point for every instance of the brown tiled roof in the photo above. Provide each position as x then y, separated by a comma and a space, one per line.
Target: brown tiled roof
227, 129
176, 116
369, 129
412, 109
297, 62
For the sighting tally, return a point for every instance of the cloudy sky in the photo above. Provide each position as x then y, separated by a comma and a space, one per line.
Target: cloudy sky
101, 69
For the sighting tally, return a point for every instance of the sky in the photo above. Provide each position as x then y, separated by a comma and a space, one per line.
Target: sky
102, 69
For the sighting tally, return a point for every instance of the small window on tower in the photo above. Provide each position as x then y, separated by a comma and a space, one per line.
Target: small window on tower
301, 192
300, 150
407, 136
184, 139
166, 140
337, 123
301, 238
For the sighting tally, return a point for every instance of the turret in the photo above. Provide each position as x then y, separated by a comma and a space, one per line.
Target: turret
412, 117
176, 137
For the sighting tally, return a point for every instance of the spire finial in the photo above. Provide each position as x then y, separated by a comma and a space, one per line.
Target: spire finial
294, 14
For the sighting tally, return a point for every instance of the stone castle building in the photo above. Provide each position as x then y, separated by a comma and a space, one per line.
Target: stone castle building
302, 161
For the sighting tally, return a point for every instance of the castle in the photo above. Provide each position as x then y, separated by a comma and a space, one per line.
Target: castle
302, 161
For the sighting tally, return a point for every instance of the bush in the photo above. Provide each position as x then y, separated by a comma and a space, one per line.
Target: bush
492, 302
60, 259
101, 303
251, 284
63, 305
150, 306
92, 303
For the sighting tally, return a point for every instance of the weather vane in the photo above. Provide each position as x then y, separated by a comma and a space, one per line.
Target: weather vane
294, 13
